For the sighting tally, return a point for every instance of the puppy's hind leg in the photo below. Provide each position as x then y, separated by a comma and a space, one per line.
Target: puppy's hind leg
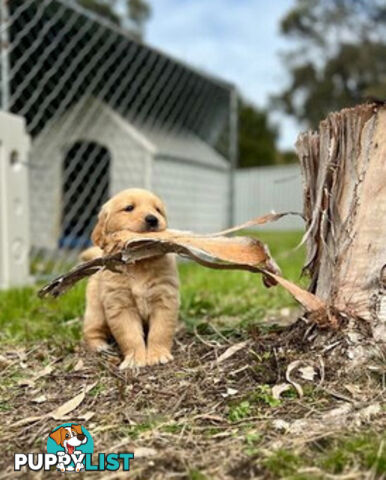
95, 329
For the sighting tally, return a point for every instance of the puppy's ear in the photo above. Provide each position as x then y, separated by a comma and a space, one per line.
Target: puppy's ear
57, 436
98, 234
77, 428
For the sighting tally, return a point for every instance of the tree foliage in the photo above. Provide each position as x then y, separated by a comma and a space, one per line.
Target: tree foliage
339, 57
139, 12
257, 138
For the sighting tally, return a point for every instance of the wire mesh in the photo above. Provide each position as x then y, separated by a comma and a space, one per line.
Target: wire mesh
92, 96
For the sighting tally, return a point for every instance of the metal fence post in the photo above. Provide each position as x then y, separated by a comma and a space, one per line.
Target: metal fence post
4, 49
14, 207
233, 151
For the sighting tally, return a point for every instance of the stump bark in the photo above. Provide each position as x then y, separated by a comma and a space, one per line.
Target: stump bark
344, 178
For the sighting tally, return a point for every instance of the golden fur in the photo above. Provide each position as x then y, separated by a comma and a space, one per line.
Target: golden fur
144, 299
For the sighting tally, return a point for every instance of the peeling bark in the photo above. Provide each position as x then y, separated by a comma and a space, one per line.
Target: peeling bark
344, 175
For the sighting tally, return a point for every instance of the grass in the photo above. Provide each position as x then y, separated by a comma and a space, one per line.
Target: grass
361, 452
204, 421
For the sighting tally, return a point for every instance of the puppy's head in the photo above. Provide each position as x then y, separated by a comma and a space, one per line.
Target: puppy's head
135, 210
69, 437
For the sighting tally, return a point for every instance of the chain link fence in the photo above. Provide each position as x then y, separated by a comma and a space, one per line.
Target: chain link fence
105, 113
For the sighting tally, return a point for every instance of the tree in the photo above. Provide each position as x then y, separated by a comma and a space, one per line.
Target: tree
339, 58
343, 166
257, 138
137, 13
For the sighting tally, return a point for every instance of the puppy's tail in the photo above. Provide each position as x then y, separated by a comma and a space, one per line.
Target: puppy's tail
90, 254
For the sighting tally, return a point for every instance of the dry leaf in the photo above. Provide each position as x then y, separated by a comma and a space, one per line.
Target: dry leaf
280, 424
26, 382
296, 385
277, 390
229, 392
86, 416
143, 452
308, 373
4, 362
207, 416
79, 365
40, 399
27, 420
231, 351
47, 370
70, 405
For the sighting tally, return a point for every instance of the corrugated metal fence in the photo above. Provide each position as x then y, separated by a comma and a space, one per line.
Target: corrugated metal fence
263, 189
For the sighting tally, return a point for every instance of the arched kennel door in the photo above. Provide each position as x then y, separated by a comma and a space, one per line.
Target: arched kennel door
86, 178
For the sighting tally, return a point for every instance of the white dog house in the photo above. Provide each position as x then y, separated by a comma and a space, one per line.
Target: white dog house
91, 152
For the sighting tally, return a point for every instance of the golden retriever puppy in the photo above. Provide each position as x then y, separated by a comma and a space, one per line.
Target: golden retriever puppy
139, 307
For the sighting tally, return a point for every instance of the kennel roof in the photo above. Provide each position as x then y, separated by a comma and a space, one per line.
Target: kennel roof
61, 52
162, 144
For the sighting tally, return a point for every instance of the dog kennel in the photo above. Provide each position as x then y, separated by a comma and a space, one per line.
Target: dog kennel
75, 174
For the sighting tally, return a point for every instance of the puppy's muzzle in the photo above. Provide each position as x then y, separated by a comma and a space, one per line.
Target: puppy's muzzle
151, 221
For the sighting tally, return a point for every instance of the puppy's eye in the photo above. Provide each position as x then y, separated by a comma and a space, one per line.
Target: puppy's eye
67, 435
129, 208
158, 210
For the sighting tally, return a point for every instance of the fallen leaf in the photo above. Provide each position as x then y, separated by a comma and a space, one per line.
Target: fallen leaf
308, 373
280, 424
70, 405
79, 365
26, 382
229, 392
4, 362
296, 385
40, 399
143, 452
47, 370
207, 416
231, 351
27, 420
355, 390
277, 390
87, 416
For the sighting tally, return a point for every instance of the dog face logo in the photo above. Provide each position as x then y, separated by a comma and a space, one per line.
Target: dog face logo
69, 437
70, 442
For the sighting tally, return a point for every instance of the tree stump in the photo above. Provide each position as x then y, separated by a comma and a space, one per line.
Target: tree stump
344, 177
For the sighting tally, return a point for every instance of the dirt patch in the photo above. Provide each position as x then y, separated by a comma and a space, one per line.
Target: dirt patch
220, 410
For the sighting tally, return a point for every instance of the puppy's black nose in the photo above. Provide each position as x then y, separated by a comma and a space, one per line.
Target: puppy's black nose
81, 437
151, 220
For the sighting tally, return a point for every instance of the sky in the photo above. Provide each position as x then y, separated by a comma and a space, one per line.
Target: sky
237, 40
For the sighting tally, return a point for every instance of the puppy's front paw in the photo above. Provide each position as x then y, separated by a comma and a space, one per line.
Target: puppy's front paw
156, 355
134, 359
